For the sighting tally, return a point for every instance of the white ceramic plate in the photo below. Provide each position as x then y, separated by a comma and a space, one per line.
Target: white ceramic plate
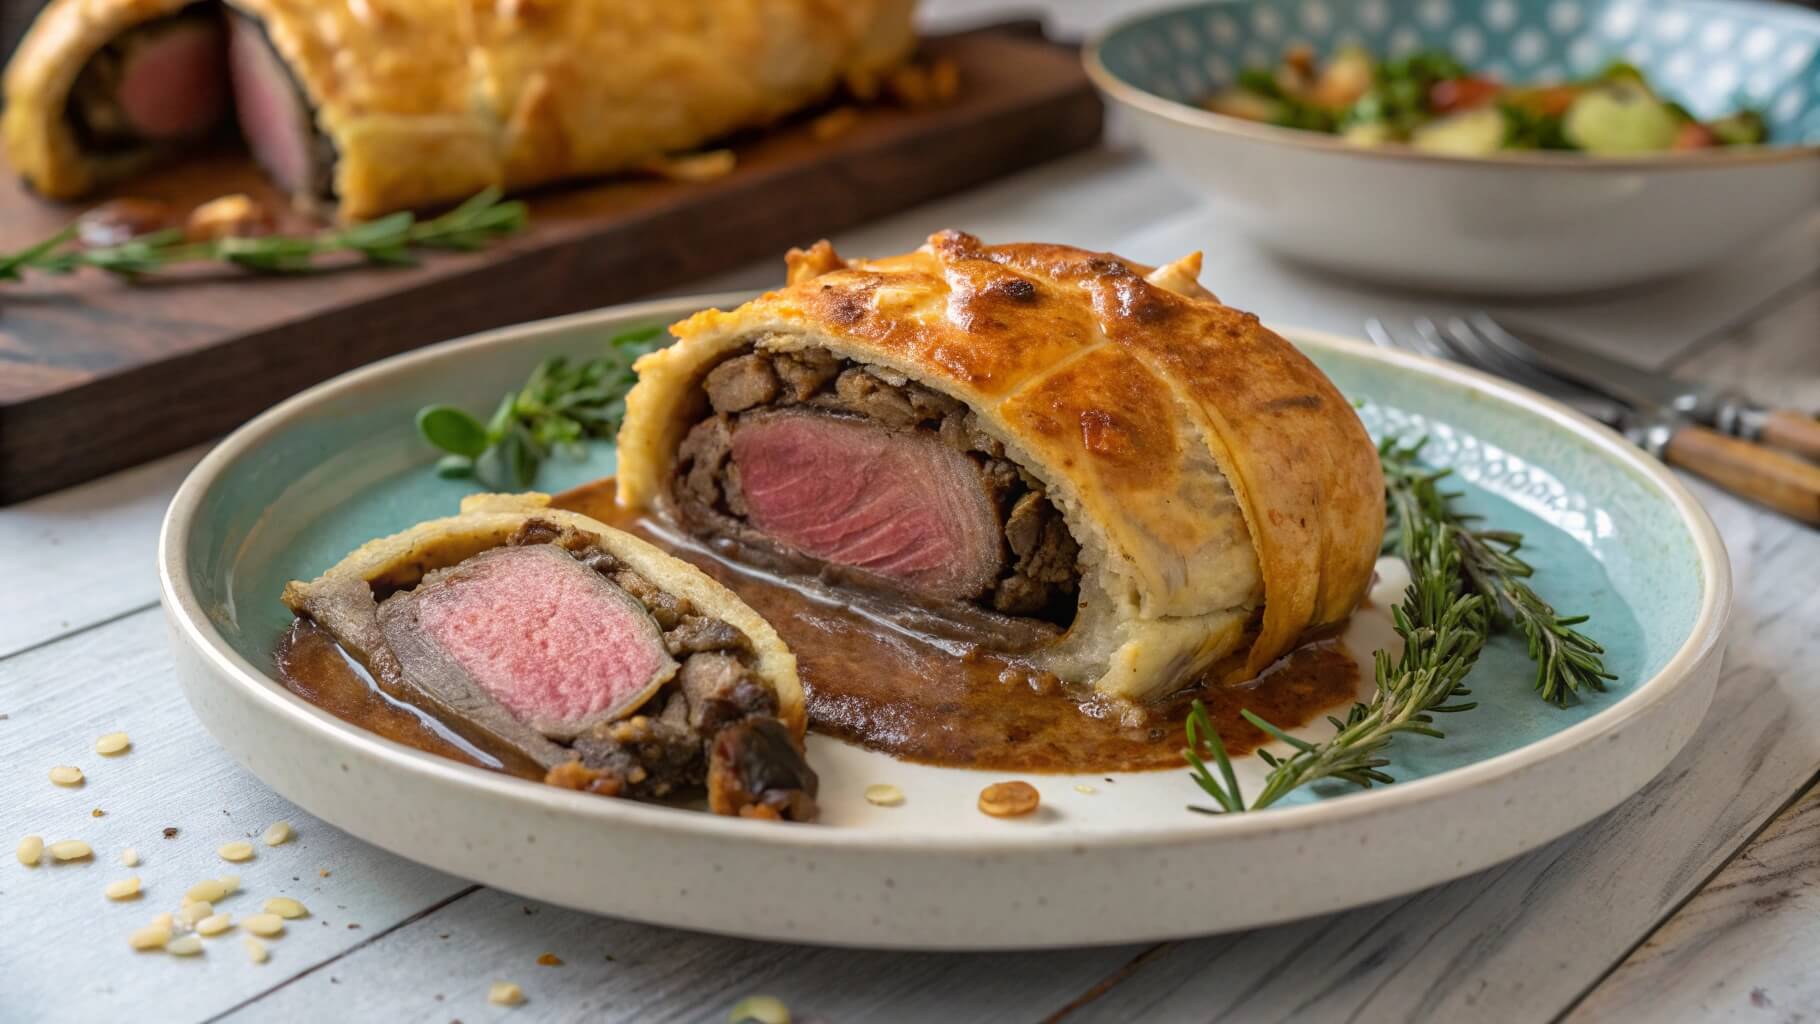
1612, 532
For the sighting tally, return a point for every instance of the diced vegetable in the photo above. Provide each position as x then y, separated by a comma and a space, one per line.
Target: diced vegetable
1451, 94
1744, 128
1467, 133
1344, 79
1619, 118
1246, 104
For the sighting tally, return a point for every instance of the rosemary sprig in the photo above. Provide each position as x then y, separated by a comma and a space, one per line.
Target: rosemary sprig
559, 406
1464, 581
1443, 629
1567, 660
390, 240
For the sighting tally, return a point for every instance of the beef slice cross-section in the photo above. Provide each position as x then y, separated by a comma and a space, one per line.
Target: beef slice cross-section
530, 634
899, 504
273, 114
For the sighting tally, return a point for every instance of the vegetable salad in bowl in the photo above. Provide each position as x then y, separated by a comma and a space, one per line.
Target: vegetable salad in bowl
1436, 103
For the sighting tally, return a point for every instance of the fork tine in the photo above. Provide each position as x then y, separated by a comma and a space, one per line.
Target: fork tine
1488, 356
1430, 341
1509, 364
1374, 329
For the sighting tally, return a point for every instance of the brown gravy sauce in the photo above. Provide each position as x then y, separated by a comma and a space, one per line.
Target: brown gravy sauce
888, 690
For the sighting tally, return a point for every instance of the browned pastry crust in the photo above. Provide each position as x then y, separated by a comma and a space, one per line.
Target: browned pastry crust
1219, 485
431, 100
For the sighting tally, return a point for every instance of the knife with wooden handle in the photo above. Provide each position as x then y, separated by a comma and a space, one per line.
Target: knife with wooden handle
1791, 431
1782, 482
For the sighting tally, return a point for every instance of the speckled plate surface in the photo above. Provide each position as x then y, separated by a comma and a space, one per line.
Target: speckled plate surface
1611, 532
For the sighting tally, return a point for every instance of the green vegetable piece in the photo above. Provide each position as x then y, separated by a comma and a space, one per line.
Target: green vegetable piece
452, 430
1467, 133
1619, 119
1367, 133
1744, 128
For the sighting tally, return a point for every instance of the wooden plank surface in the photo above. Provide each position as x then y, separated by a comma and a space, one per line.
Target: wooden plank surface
65, 956
82, 555
1745, 948
91, 369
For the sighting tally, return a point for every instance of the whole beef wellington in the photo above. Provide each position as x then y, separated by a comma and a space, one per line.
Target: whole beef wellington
552, 640
370, 106
1060, 454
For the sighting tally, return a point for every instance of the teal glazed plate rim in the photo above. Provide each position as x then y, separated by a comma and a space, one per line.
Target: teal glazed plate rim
1107, 859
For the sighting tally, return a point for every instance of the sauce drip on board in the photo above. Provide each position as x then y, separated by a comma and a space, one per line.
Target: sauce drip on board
885, 689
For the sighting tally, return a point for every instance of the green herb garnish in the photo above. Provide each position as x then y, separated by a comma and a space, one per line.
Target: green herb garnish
559, 407
1566, 659
389, 240
1464, 582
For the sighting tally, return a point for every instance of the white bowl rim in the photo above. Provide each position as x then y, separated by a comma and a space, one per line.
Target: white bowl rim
192, 626
1141, 99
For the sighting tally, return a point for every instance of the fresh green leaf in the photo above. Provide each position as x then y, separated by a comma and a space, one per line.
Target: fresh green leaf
455, 467
452, 430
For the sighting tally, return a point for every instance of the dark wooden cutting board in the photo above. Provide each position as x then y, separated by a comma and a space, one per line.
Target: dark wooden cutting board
97, 374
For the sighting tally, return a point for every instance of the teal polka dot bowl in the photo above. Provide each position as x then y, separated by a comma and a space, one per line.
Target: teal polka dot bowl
1515, 222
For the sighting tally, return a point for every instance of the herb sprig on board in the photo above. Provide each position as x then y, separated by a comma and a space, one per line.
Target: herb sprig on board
390, 240
1464, 582
560, 405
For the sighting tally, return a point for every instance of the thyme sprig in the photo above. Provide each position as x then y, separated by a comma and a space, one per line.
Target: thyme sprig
560, 405
1464, 582
1567, 660
389, 240
1443, 629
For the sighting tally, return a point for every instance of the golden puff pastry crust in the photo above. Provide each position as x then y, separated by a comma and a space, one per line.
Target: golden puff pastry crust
1221, 489
488, 521
429, 101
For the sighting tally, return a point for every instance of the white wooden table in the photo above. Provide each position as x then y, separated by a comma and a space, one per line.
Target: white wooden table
1698, 899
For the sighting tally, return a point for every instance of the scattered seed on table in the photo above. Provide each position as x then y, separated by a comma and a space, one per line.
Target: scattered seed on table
264, 924
505, 993
884, 794
113, 743
66, 775
207, 891
129, 857
1009, 799
549, 960
152, 936
1082, 787
194, 911
31, 850
184, 945
123, 889
70, 849
278, 833
286, 907
236, 851
255, 950
761, 1009
214, 924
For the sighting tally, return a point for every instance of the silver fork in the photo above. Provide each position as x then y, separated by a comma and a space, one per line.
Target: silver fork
1782, 482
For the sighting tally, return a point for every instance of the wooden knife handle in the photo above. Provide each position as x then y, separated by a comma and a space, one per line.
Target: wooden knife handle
1782, 482
1792, 431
